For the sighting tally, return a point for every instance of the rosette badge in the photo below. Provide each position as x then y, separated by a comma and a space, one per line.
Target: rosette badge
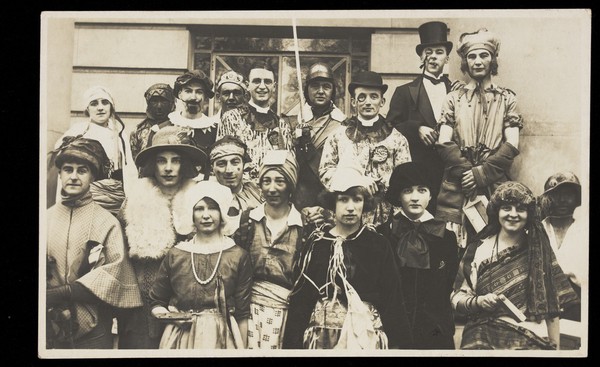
380, 154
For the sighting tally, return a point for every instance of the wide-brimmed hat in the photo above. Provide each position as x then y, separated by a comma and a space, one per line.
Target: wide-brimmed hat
87, 150
433, 34
406, 175
176, 139
367, 79
563, 179
194, 75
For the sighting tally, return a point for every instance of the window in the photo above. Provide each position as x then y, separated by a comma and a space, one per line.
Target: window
222, 48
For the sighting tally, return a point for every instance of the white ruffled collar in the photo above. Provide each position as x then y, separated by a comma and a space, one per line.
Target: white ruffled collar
203, 122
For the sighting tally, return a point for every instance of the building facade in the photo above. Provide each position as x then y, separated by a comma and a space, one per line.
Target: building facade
544, 57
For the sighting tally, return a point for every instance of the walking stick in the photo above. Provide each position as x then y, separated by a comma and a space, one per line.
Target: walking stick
298, 75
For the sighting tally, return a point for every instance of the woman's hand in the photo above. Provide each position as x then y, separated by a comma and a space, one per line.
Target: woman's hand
489, 302
157, 311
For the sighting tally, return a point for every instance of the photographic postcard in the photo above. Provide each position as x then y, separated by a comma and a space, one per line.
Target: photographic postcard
544, 59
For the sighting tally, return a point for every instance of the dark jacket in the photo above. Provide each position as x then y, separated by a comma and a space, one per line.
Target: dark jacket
410, 109
427, 291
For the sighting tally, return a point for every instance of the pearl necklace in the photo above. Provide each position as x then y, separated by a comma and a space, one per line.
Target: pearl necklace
210, 278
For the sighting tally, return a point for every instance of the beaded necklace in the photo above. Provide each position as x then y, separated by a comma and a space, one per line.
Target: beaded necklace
214, 272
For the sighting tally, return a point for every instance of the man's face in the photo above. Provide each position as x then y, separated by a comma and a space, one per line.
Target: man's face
192, 94
261, 86
319, 93
436, 57
367, 101
479, 63
75, 178
564, 201
229, 171
231, 96
159, 107
167, 169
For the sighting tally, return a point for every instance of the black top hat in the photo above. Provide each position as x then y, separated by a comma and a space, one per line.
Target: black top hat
367, 79
433, 34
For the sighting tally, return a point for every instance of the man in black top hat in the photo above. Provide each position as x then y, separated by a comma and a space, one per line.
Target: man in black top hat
416, 106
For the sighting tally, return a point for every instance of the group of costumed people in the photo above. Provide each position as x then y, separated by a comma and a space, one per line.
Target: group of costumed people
350, 234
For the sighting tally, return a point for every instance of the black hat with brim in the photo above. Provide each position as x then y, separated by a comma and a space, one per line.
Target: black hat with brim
369, 79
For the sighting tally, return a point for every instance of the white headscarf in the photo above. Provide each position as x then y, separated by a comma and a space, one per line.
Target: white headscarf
183, 219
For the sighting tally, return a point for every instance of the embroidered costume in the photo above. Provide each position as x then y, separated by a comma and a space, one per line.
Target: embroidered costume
375, 151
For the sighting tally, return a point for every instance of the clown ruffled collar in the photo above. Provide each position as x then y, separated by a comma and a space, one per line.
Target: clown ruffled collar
355, 131
204, 122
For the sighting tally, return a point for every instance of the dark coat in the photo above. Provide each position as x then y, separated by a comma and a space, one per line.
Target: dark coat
427, 291
373, 273
410, 109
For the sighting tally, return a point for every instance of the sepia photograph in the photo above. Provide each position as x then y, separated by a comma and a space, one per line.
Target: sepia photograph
314, 183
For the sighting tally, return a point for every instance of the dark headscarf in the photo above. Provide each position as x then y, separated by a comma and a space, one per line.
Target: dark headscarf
85, 150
